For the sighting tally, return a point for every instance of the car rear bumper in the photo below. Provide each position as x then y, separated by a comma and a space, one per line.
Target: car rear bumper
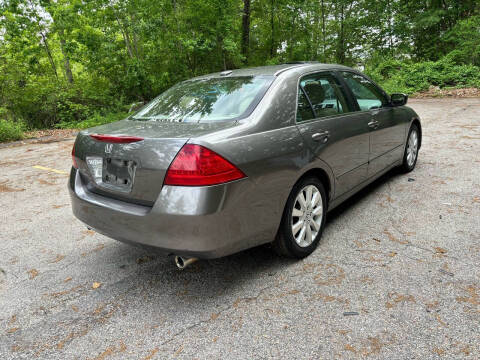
203, 222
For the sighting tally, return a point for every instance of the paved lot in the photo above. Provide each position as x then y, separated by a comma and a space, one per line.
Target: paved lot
403, 255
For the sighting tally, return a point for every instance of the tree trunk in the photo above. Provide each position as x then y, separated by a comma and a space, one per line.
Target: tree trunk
126, 38
246, 29
272, 26
341, 38
323, 32
66, 59
136, 45
50, 58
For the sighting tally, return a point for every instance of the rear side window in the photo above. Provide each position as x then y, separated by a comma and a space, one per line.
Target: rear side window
368, 95
323, 93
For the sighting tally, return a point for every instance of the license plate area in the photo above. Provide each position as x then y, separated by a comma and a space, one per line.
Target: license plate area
111, 173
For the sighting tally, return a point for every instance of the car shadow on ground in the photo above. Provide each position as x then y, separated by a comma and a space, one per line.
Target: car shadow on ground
347, 205
218, 278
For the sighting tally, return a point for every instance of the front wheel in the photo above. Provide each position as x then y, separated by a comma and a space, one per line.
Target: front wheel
303, 219
411, 150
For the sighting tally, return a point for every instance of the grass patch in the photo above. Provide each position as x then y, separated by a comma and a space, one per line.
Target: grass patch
11, 131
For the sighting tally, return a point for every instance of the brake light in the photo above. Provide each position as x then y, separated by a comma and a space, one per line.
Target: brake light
116, 139
196, 165
74, 161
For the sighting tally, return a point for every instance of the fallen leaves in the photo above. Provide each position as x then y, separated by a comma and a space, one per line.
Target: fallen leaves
32, 273
438, 351
329, 274
88, 232
396, 298
393, 238
5, 188
59, 257
351, 348
435, 91
151, 354
474, 297
95, 249
65, 292
440, 250
52, 134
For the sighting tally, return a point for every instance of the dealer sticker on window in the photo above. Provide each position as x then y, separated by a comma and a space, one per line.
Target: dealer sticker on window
95, 165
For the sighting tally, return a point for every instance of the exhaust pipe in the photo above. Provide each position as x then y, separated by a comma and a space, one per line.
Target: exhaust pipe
183, 262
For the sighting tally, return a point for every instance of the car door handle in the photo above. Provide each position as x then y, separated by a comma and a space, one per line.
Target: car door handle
373, 124
321, 136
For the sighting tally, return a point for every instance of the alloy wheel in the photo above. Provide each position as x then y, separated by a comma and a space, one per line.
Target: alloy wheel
307, 215
412, 148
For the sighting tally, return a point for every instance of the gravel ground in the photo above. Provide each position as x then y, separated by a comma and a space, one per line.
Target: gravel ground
396, 275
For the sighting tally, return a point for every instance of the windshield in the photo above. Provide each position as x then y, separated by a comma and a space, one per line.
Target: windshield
207, 100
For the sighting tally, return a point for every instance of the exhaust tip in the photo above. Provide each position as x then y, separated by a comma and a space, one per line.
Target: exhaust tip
182, 262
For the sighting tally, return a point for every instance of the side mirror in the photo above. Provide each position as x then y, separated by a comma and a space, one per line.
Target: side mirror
398, 99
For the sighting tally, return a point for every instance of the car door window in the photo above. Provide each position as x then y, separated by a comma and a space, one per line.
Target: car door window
323, 93
368, 95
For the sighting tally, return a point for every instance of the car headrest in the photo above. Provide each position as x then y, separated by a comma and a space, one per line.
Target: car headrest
315, 92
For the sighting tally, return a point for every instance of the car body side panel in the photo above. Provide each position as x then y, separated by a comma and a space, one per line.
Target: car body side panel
273, 161
386, 141
346, 150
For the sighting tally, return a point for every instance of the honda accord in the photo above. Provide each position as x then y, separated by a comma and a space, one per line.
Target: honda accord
228, 161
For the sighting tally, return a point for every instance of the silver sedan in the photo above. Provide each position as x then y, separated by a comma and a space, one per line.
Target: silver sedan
227, 161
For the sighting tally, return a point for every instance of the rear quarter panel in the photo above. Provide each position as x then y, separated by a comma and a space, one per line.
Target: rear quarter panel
269, 149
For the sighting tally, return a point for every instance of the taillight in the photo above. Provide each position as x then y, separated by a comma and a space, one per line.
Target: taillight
117, 139
196, 165
74, 161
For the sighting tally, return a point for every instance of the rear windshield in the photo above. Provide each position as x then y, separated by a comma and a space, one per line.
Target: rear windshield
207, 100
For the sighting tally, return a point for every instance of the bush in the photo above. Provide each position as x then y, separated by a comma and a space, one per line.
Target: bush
10, 131
95, 120
411, 77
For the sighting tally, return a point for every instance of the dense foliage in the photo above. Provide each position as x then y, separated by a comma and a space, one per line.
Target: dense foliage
76, 62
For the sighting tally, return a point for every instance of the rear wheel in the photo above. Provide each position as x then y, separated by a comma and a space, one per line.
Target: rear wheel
411, 150
303, 219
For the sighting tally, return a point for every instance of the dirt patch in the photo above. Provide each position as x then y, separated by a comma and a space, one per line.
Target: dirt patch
435, 91
42, 137
51, 133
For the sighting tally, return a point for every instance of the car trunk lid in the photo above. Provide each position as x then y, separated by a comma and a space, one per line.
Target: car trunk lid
128, 160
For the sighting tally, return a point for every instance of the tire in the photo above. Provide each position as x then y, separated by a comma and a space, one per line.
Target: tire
413, 142
289, 241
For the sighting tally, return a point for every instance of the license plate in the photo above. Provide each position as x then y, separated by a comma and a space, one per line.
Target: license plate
95, 165
118, 172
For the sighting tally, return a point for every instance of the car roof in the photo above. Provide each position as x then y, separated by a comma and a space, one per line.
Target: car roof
276, 70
